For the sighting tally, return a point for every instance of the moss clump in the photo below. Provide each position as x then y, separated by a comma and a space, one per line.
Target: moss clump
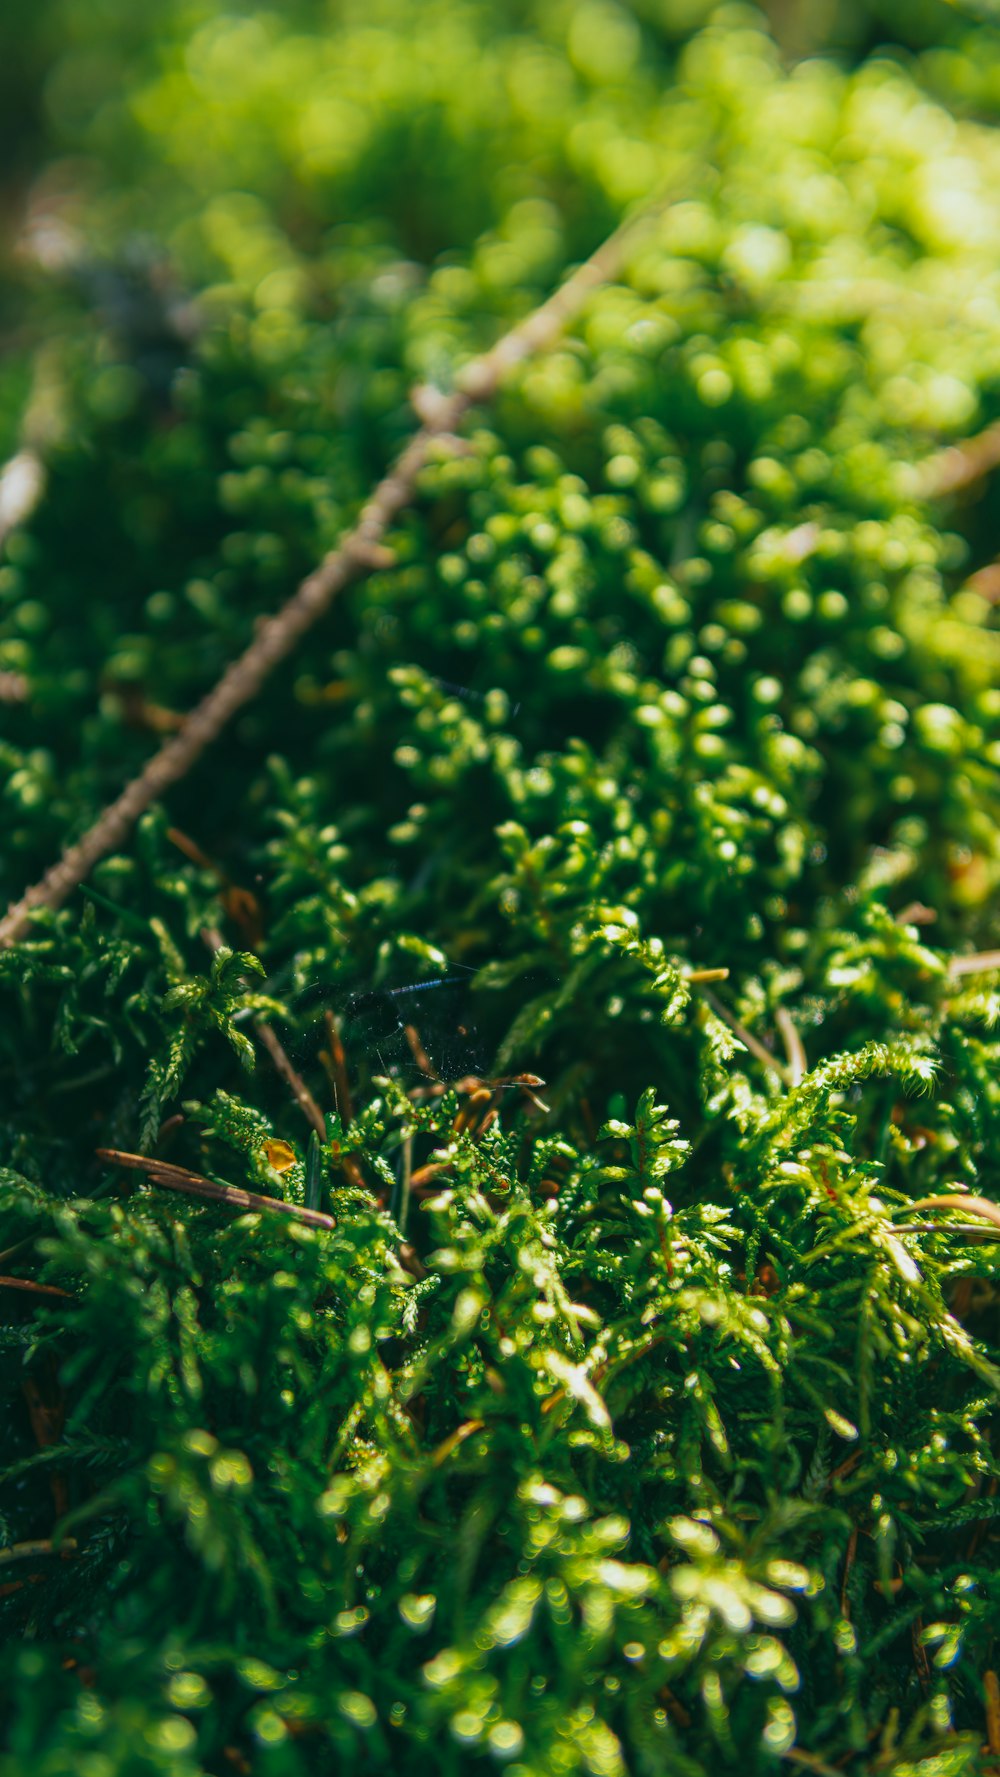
626, 1413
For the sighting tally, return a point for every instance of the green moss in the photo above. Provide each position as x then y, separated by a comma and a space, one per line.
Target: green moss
646, 1425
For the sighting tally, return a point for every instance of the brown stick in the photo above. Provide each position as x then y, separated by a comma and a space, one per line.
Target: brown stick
292, 1078
852, 1549
276, 1050
300, 1091
810, 1762
798, 1066
747, 1038
843, 1469
984, 962
22, 484
419, 1053
13, 687
425, 1175
177, 1178
986, 581
991, 1689
64, 1550
334, 1063
36, 1289
18, 1247
982, 1236
959, 465
973, 1206
457, 1438
357, 552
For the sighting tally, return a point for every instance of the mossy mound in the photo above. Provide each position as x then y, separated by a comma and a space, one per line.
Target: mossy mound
615, 867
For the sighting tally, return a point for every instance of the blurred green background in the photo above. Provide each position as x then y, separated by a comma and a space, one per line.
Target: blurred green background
73, 74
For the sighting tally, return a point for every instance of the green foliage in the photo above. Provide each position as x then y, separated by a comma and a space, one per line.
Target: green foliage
621, 1410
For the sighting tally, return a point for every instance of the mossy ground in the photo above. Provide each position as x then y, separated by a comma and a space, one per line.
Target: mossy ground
622, 1431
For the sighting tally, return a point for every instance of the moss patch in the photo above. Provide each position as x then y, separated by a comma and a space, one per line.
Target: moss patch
612, 869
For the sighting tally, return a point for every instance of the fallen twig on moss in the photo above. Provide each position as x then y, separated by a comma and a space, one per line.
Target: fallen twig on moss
31, 1551
13, 687
178, 1178
798, 1065
22, 483
983, 962
973, 1206
959, 465
358, 553
35, 1289
748, 1039
279, 1056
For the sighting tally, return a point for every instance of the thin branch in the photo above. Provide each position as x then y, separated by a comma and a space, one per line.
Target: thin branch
22, 483
178, 1178
425, 1175
991, 1691
973, 1206
747, 1038
916, 914
419, 1053
810, 1762
454, 1441
334, 1064
852, 1549
360, 550
402, 1209
36, 1289
292, 1078
986, 581
984, 962
843, 1469
63, 1551
19, 1246
958, 466
13, 687
970, 1228
798, 1066
300, 1091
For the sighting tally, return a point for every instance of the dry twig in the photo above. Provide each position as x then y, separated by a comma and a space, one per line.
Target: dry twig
334, 1064
983, 962
748, 1039
991, 1687
798, 1066
981, 1236
973, 1206
178, 1178
64, 1550
35, 1289
360, 550
849, 1559
22, 483
959, 465
809, 1762
986, 581
293, 1079
300, 1091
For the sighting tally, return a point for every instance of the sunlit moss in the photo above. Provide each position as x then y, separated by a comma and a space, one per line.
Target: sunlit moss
647, 1425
